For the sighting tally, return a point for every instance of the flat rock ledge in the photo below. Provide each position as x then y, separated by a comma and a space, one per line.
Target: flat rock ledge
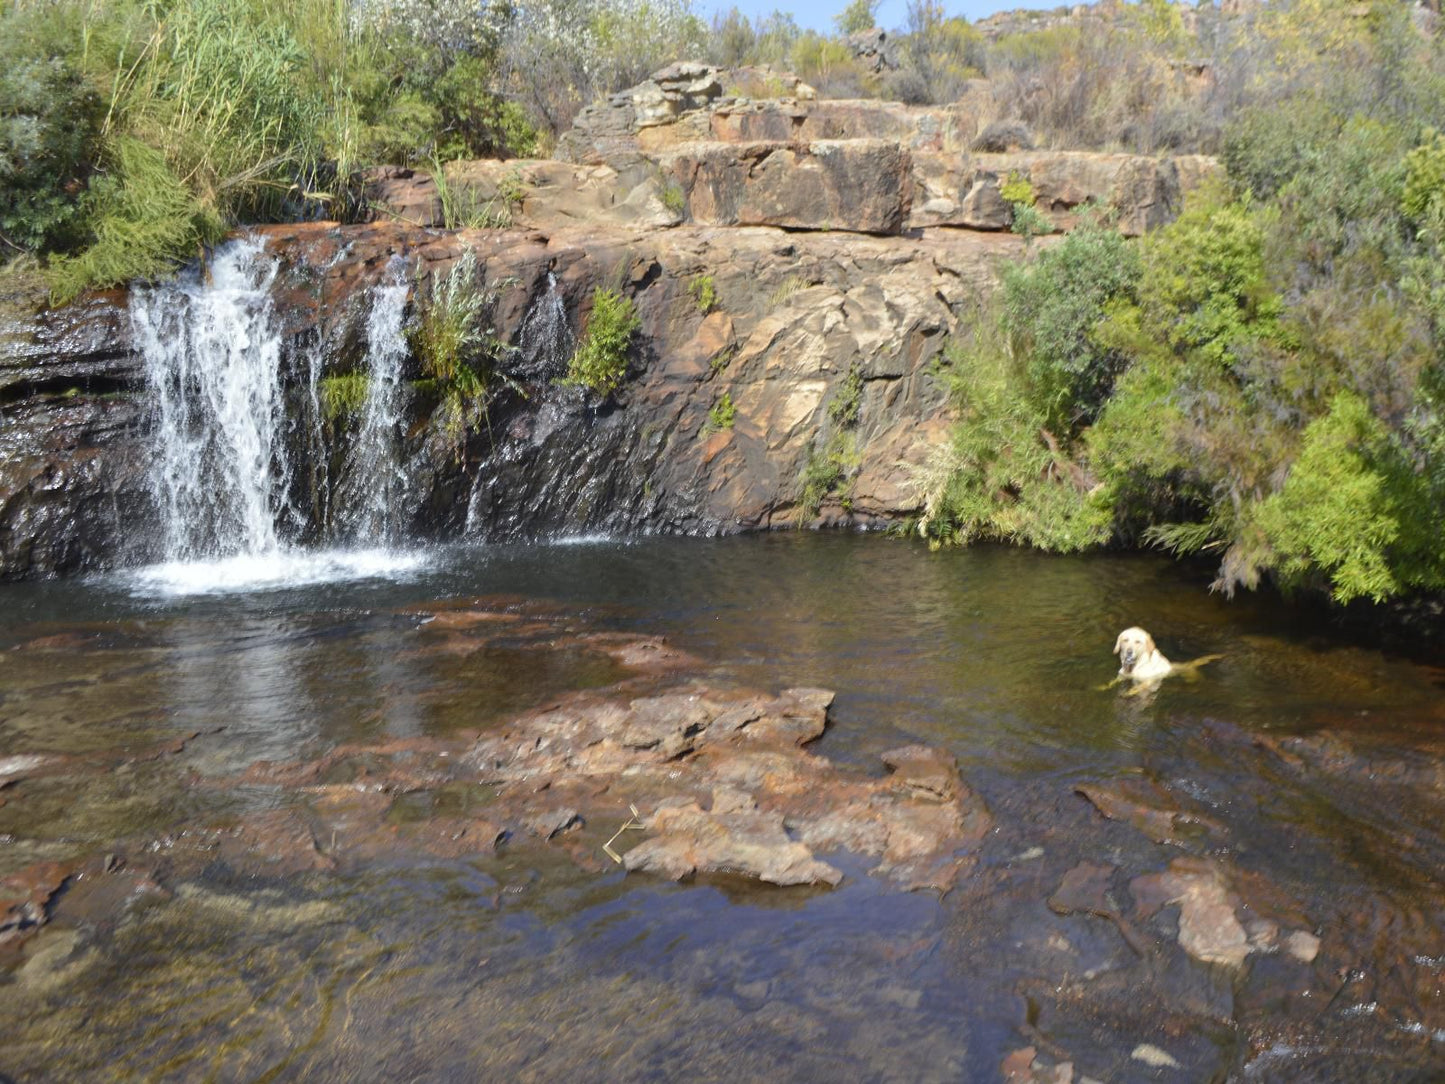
724, 786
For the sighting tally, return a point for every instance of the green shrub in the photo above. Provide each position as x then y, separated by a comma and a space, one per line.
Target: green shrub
1051, 306
1000, 477
704, 293
50, 117
1017, 189
1349, 508
722, 415
1423, 198
1025, 219
458, 348
858, 16
142, 221
600, 361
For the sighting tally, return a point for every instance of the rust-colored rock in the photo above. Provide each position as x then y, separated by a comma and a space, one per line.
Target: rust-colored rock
25, 899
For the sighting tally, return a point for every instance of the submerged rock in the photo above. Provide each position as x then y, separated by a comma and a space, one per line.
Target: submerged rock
687, 839
1209, 929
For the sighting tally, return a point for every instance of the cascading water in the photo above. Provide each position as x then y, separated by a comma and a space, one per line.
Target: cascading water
221, 468
546, 339
546, 342
213, 360
371, 491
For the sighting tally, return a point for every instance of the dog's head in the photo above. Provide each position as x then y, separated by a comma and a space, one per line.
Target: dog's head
1133, 646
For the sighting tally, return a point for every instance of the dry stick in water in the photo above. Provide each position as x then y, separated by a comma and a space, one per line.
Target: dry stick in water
634, 821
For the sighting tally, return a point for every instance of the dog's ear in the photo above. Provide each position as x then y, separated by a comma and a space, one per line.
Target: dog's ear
1119, 643
1149, 648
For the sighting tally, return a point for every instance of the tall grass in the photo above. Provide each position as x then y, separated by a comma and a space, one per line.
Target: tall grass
132, 131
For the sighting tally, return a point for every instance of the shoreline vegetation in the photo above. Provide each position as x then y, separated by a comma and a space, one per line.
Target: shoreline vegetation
1260, 383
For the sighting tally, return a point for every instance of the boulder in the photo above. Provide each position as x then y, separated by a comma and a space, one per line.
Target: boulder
855, 185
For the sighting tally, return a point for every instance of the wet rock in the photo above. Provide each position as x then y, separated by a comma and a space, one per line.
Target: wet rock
687, 839
1303, 946
1145, 805
1019, 1066
1026, 1067
278, 842
1209, 929
104, 890
924, 771
1154, 1057
667, 725
1084, 888
73, 488
554, 822
14, 769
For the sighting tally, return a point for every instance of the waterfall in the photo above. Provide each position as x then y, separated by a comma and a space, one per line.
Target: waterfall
370, 496
213, 360
221, 468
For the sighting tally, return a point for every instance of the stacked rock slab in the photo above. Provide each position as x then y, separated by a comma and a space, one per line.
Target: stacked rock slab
707, 146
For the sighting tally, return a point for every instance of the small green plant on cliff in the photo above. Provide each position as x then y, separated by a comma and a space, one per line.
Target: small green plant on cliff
674, 198
458, 348
463, 209
1017, 188
1025, 219
704, 293
825, 471
722, 415
847, 403
343, 396
834, 464
600, 362
786, 289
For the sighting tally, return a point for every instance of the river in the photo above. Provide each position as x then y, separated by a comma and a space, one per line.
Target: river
1302, 771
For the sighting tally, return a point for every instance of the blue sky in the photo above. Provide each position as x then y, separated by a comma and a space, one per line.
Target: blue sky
891, 13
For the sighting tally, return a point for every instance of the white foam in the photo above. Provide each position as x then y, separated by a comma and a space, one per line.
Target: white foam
274, 570
584, 540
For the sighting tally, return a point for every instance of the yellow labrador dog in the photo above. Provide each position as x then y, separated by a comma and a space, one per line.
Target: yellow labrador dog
1141, 662
1139, 659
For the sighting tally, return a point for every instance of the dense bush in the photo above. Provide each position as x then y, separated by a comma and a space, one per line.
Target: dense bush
1051, 306
600, 361
1262, 379
50, 115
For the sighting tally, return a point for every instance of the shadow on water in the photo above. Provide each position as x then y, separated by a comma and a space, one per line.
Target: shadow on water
1308, 760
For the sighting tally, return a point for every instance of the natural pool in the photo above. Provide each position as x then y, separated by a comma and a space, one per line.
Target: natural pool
1306, 769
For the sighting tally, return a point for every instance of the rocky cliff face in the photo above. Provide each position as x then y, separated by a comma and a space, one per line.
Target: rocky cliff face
839, 262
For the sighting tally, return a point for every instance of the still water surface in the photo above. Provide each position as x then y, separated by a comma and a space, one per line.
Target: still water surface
525, 966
